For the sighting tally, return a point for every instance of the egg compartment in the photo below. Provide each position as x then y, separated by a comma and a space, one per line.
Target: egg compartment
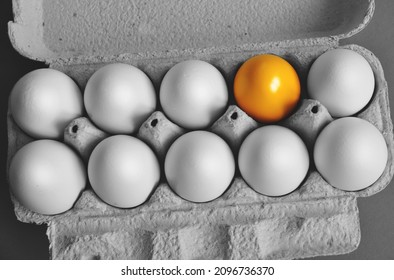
316, 219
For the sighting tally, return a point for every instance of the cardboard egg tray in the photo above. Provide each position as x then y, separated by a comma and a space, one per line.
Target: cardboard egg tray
316, 219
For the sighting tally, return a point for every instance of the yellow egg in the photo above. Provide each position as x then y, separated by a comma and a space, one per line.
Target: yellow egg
267, 88
47, 176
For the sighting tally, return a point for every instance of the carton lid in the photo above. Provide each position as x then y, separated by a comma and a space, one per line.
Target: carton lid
49, 30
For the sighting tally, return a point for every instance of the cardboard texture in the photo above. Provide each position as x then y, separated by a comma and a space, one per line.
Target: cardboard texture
316, 219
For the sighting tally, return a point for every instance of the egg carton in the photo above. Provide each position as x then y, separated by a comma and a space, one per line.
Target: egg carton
316, 219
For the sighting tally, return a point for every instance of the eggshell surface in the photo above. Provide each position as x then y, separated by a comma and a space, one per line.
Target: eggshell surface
123, 171
199, 166
44, 101
273, 160
342, 80
47, 176
119, 97
193, 94
350, 153
267, 88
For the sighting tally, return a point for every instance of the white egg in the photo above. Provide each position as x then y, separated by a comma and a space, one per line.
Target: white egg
350, 153
193, 94
47, 176
44, 102
273, 160
342, 80
119, 98
123, 171
199, 166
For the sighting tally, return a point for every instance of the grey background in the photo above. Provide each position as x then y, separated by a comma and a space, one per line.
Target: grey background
27, 241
